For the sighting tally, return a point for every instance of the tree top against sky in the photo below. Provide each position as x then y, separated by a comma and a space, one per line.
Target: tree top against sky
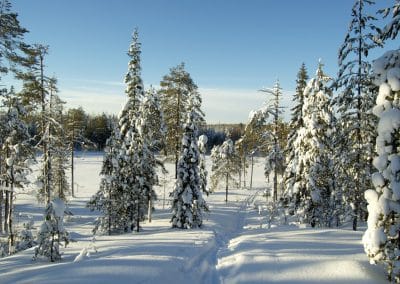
231, 48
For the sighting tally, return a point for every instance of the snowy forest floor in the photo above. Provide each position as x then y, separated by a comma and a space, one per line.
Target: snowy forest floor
234, 245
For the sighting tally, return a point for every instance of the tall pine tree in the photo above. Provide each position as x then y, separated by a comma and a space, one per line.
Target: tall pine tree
177, 89
296, 123
108, 199
11, 38
313, 190
18, 154
129, 165
353, 104
275, 159
130, 172
188, 204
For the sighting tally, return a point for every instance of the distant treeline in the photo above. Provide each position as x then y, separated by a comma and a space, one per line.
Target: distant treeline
93, 130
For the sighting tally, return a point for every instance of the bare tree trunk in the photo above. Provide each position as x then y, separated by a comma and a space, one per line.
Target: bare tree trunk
11, 237
6, 211
72, 157
138, 216
149, 210
1, 201
43, 125
52, 248
1, 211
240, 178
275, 184
226, 187
176, 161
109, 209
251, 173
358, 129
244, 170
177, 142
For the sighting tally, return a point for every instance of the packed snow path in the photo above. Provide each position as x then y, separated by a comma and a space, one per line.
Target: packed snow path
234, 246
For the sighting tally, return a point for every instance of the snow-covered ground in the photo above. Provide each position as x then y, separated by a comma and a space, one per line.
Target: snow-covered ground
234, 246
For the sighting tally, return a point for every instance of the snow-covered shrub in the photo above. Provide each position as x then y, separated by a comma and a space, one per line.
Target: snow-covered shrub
25, 238
52, 232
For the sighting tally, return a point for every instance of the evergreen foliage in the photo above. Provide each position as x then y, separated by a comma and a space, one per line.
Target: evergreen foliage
108, 198
177, 90
296, 123
154, 119
188, 204
381, 240
59, 146
52, 180
225, 165
353, 103
52, 232
391, 29
312, 193
129, 175
18, 155
202, 145
11, 38
126, 191
275, 160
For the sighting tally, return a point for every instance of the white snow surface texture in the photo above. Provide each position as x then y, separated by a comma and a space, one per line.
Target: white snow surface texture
233, 246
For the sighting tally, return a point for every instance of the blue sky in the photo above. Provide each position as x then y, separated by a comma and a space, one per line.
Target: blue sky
231, 48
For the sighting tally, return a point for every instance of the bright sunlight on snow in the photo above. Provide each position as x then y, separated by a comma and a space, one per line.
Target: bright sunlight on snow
233, 246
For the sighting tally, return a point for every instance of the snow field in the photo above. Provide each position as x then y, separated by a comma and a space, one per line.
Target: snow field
232, 247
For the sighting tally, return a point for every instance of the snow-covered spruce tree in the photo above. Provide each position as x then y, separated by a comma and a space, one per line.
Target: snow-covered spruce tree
176, 89
274, 163
11, 38
382, 238
129, 174
58, 145
108, 199
391, 29
312, 192
18, 154
155, 120
202, 145
52, 180
25, 237
275, 159
296, 123
151, 135
52, 232
353, 104
225, 165
188, 204
34, 94
241, 149
135, 162
3, 193
252, 140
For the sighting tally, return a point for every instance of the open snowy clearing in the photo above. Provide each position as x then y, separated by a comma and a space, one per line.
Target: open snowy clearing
234, 246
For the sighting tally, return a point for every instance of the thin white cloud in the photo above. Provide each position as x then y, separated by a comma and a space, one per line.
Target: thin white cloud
219, 105
93, 101
234, 106
95, 82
